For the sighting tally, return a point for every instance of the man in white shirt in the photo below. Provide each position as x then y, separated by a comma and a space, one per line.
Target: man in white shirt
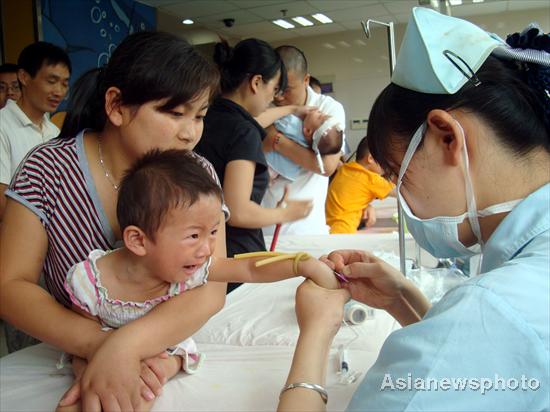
9, 85
310, 184
44, 71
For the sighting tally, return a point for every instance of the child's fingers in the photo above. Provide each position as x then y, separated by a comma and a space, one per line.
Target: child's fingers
327, 261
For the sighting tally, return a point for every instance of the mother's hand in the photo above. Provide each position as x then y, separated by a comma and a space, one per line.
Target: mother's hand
112, 380
319, 309
155, 372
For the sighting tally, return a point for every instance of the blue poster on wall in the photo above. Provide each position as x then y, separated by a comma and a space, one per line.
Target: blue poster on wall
89, 30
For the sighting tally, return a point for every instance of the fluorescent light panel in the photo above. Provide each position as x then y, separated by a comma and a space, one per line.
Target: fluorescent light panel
320, 17
187, 21
303, 21
455, 2
478, 1
283, 23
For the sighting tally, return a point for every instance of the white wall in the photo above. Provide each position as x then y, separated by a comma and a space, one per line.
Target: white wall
357, 83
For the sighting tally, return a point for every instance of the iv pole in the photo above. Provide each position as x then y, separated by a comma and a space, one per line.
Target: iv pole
391, 47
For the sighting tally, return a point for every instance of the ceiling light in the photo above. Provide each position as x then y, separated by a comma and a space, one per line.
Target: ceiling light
283, 23
455, 2
344, 43
477, 1
329, 46
187, 21
302, 20
320, 17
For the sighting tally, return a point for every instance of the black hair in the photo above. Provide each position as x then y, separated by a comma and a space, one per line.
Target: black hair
362, 149
35, 55
314, 81
331, 142
146, 66
294, 59
9, 68
248, 58
158, 182
503, 100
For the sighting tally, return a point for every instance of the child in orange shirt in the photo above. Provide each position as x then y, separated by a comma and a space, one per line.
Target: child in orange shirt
354, 186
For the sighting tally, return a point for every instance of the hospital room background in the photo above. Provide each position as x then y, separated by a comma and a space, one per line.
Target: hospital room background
351, 67
355, 68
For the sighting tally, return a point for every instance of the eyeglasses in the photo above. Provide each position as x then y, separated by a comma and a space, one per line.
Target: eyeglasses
14, 87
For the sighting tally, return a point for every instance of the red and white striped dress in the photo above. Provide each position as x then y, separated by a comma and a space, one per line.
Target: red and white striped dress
55, 183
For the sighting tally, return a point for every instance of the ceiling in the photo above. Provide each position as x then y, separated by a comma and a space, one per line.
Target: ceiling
254, 17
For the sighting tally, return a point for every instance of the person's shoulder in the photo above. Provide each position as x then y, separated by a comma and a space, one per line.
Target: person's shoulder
520, 311
54, 149
55, 154
324, 101
52, 129
227, 126
7, 119
353, 169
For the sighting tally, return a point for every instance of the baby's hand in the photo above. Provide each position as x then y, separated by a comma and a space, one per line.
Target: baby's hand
319, 272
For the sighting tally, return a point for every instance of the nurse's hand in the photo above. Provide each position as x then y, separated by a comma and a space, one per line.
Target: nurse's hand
379, 285
372, 281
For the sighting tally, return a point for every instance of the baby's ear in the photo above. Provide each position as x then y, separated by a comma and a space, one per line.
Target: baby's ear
135, 240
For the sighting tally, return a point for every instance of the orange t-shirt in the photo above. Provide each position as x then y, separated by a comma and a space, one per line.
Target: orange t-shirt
349, 193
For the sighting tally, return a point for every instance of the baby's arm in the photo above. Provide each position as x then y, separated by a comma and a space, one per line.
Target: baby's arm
245, 270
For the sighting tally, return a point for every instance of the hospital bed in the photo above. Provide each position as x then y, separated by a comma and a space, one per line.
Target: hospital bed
248, 346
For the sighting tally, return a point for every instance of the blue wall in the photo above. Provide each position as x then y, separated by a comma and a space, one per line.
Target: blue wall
89, 30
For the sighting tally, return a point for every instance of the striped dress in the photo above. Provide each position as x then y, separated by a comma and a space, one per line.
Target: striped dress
55, 183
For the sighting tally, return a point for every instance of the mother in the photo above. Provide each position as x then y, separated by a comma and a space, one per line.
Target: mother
154, 93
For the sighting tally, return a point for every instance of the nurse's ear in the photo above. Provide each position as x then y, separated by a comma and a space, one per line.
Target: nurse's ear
447, 135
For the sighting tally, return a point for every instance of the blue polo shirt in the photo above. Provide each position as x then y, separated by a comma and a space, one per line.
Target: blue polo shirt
485, 345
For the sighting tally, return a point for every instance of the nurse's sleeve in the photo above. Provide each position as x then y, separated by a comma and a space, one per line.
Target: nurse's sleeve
466, 343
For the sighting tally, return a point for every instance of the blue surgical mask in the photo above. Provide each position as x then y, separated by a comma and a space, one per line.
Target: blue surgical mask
439, 235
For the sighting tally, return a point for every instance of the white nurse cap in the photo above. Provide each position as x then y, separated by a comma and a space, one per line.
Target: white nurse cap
440, 53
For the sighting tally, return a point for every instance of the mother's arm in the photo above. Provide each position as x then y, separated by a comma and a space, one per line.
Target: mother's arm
245, 213
23, 247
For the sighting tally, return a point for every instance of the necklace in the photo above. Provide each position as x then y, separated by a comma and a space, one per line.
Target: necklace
108, 175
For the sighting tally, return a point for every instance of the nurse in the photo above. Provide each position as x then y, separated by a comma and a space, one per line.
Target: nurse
464, 130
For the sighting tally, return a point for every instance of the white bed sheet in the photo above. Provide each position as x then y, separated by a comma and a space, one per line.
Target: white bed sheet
249, 347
